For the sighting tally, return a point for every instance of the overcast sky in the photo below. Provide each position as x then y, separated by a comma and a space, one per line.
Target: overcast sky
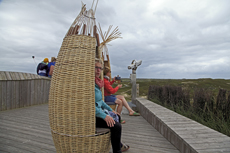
174, 38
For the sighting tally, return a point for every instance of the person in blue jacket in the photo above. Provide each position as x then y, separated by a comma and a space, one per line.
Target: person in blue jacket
105, 116
51, 66
42, 68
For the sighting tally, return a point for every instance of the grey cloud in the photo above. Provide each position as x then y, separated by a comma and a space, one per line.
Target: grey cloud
174, 40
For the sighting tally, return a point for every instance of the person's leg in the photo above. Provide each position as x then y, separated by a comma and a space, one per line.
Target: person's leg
119, 107
115, 133
113, 98
124, 102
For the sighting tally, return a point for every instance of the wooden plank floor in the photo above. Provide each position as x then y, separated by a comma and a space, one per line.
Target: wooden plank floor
143, 138
27, 130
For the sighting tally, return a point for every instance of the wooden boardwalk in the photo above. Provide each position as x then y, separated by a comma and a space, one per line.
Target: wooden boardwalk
27, 130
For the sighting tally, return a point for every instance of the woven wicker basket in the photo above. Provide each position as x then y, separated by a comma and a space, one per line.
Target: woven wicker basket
72, 98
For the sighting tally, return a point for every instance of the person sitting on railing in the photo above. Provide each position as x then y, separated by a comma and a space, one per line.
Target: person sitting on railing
42, 68
51, 66
118, 99
105, 116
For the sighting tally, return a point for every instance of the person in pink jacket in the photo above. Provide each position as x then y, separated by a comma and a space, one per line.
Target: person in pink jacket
118, 99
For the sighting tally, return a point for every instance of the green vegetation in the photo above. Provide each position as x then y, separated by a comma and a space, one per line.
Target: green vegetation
209, 120
190, 84
210, 88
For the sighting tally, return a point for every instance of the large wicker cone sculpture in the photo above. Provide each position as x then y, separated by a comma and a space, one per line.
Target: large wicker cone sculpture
71, 99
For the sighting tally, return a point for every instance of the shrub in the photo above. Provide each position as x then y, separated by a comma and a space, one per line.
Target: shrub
199, 100
186, 100
221, 99
202, 107
170, 95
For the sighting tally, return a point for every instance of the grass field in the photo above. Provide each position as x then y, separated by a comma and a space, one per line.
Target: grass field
190, 84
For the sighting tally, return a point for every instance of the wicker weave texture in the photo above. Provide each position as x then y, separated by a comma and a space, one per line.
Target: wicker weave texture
71, 99
96, 144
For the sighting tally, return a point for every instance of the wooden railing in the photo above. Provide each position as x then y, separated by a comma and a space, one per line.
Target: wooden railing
186, 135
19, 89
